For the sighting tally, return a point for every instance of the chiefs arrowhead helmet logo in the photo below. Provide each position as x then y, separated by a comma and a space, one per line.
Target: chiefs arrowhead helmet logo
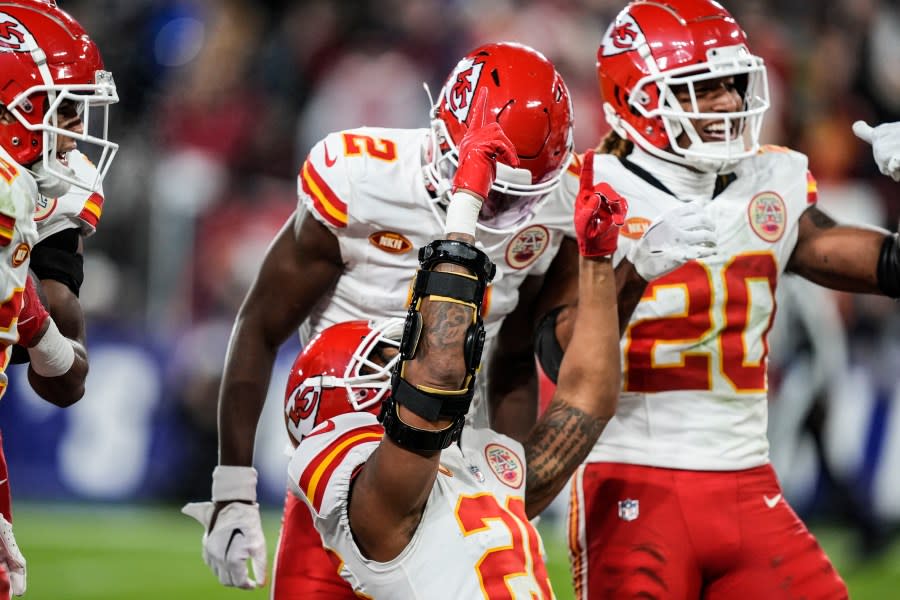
623, 35
460, 91
14, 36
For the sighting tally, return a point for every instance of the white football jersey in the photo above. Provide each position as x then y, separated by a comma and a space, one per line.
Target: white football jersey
694, 354
474, 539
18, 235
77, 209
367, 186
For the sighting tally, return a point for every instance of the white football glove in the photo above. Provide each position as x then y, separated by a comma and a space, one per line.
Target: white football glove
11, 559
237, 534
885, 140
679, 235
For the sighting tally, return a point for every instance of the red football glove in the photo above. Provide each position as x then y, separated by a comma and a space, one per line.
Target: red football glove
32, 316
599, 213
480, 149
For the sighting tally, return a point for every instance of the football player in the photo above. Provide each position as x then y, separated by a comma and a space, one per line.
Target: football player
393, 503
345, 368
51, 73
57, 260
678, 498
369, 198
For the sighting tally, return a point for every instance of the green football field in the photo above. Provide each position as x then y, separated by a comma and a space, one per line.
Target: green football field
103, 552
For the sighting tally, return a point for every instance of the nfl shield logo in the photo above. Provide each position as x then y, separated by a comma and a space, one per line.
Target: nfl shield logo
628, 509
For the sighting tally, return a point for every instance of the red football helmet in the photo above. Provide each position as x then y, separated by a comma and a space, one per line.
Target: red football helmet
335, 374
655, 46
51, 70
531, 102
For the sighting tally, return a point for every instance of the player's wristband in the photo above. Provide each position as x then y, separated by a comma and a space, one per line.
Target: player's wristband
53, 355
234, 483
462, 213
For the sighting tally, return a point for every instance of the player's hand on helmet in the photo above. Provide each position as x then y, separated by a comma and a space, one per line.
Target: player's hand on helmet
679, 235
233, 533
599, 213
885, 140
33, 317
479, 150
11, 559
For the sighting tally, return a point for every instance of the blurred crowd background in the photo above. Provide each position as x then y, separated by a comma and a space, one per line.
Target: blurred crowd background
222, 99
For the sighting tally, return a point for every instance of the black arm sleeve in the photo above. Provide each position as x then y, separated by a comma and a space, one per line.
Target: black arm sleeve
546, 347
57, 258
889, 267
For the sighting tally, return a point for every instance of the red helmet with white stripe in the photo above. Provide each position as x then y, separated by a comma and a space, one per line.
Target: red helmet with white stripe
342, 369
50, 72
530, 101
656, 46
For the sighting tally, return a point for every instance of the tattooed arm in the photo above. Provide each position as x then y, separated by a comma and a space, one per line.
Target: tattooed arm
587, 392
841, 257
395, 482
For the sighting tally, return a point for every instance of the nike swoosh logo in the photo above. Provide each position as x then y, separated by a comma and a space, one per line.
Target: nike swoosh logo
329, 162
234, 533
25, 320
321, 428
771, 502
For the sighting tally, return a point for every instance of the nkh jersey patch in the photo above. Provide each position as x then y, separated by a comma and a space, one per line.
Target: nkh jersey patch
391, 242
21, 254
634, 227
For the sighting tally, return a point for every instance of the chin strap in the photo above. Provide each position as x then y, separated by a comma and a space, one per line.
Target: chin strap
429, 403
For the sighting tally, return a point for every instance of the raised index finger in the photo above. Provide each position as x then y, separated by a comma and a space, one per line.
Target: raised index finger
587, 171
478, 112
